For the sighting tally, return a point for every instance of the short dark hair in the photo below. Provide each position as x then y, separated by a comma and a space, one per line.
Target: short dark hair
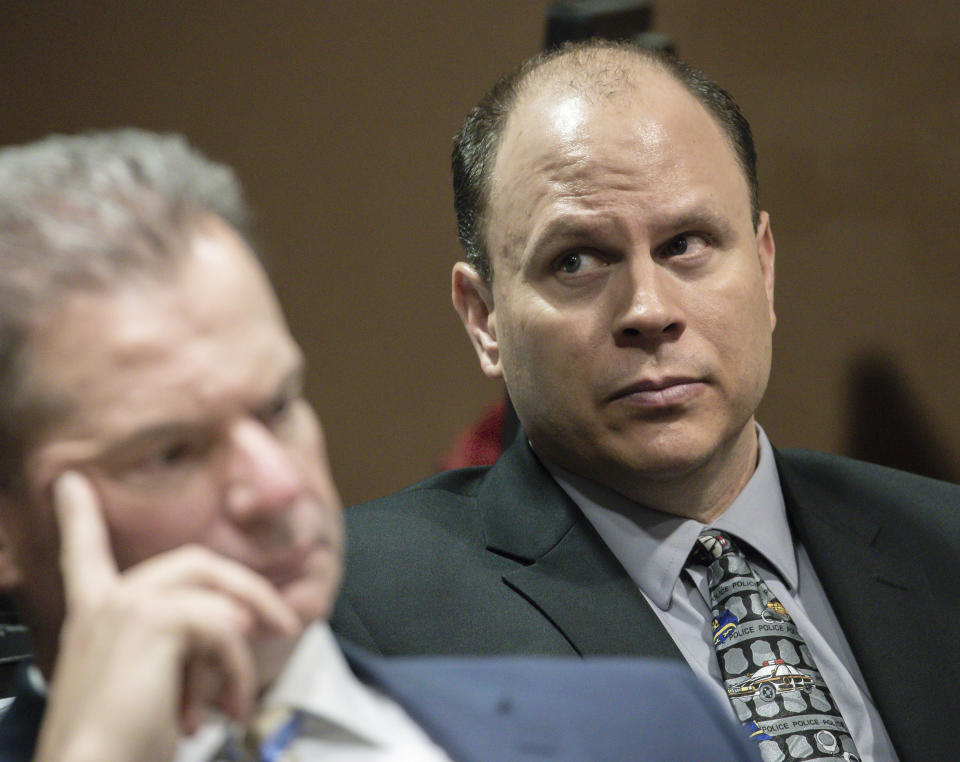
86, 212
475, 145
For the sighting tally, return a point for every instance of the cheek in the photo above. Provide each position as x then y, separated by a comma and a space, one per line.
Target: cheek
540, 344
737, 324
323, 514
756, 326
306, 445
142, 526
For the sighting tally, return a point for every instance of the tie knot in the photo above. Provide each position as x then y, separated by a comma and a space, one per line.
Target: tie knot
711, 545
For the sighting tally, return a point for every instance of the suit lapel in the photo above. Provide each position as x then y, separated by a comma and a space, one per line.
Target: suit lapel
884, 605
566, 571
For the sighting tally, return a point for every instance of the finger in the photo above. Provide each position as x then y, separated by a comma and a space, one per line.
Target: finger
197, 566
200, 681
219, 669
205, 686
86, 558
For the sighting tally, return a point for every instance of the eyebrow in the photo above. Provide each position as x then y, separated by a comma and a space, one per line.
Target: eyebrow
133, 445
585, 223
698, 218
571, 225
290, 385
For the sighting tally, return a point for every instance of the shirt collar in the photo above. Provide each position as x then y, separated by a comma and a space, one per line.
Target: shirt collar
317, 680
653, 546
759, 516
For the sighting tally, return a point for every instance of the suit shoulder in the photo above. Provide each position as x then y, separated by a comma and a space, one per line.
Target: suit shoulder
843, 471
428, 513
882, 491
446, 490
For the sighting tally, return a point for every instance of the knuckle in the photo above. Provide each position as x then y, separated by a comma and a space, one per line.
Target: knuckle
196, 554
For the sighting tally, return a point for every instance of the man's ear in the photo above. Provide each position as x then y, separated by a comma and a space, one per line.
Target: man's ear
473, 300
766, 250
10, 574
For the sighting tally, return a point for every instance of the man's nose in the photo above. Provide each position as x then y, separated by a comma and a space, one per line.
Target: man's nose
649, 309
264, 478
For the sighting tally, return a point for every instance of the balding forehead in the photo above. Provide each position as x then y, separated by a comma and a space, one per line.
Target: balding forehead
594, 73
564, 143
566, 89
603, 74
566, 93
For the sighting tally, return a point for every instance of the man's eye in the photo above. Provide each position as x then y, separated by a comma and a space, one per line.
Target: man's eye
577, 261
174, 453
570, 263
677, 246
278, 410
683, 244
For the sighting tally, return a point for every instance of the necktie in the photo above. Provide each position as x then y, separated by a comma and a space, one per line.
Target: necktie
769, 673
267, 738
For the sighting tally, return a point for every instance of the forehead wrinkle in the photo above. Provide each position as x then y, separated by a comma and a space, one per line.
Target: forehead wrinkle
578, 202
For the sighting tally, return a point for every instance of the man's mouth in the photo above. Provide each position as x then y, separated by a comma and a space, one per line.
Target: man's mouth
282, 568
656, 393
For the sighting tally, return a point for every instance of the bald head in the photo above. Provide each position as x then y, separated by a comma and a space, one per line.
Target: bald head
592, 70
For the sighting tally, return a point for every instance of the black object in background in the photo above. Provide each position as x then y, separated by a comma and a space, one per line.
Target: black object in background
569, 20
14, 644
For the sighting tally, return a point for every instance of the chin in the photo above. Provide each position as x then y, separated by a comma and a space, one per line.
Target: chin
676, 452
665, 462
312, 598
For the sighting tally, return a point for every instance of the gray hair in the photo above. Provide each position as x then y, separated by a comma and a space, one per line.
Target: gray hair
85, 212
593, 66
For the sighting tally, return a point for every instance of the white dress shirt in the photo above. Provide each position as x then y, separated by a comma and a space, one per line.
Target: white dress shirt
347, 721
653, 548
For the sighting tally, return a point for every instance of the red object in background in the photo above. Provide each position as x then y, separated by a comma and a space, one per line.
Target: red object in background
481, 443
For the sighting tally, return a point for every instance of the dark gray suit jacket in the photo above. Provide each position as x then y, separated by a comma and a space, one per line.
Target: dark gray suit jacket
500, 561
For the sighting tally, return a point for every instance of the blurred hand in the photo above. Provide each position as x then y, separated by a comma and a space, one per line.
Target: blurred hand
144, 653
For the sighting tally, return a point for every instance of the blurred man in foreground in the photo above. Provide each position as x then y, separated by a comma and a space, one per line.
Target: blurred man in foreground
168, 522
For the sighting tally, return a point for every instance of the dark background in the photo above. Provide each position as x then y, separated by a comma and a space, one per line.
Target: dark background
338, 118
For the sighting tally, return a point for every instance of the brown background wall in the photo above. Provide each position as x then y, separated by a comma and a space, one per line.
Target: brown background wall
338, 118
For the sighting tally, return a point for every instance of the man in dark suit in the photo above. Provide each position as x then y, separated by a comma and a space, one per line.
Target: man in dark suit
619, 279
169, 526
